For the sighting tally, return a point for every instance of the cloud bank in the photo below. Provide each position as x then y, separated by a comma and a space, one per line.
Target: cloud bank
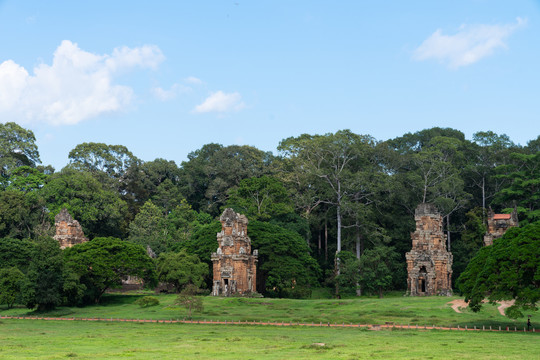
469, 45
221, 102
78, 85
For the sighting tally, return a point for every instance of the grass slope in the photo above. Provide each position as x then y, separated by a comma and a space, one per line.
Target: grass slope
25, 339
365, 310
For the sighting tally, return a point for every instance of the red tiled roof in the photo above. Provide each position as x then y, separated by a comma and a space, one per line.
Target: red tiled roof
502, 216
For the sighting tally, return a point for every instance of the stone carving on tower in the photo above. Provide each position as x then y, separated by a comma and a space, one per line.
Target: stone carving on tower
429, 264
68, 231
497, 224
234, 266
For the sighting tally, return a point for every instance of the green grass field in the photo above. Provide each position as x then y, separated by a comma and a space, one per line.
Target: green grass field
365, 310
38, 339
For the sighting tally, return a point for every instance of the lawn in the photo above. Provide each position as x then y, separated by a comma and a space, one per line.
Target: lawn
365, 310
26, 339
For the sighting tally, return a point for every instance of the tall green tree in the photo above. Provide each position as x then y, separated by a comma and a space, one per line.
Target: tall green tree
45, 276
149, 228
261, 198
330, 162
112, 160
376, 268
22, 215
102, 263
523, 186
212, 170
11, 281
507, 270
17, 148
99, 209
181, 269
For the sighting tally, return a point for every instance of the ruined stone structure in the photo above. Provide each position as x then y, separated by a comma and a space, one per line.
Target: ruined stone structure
68, 231
497, 224
429, 265
234, 265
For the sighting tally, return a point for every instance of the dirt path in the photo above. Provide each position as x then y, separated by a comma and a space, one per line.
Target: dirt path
458, 304
503, 305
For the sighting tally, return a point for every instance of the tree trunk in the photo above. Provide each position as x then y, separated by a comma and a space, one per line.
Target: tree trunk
380, 292
325, 240
319, 247
338, 249
358, 254
448, 231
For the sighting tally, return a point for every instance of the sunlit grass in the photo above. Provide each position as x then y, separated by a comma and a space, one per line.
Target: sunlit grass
365, 310
99, 340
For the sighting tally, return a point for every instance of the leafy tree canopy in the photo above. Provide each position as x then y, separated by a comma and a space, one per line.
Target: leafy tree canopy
181, 269
11, 281
507, 270
261, 198
100, 211
45, 276
102, 263
17, 148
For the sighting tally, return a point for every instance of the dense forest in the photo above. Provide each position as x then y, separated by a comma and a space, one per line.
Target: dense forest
319, 198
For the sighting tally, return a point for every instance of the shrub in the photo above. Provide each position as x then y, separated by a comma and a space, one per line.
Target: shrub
147, 301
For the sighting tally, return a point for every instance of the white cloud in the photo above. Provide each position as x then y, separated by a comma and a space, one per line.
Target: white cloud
221, 102
468, 45
193, 80
165, 95
77, 86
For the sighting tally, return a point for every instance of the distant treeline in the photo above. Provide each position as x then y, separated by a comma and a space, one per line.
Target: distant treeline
318, 196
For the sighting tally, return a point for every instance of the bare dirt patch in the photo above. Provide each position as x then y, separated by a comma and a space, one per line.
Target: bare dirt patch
503, 305
458, 304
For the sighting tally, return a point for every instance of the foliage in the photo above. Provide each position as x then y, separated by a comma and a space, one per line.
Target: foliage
22, 215
100, 211
376, 268
113, 160
261, 198
472, 240
26, 179
103, 263
149, 228
507, 270
17, 148
212, 170
188, 299
11, 281
349, 276
181, 269
285, 267
45, 276
147, 301
16, 253
523, 187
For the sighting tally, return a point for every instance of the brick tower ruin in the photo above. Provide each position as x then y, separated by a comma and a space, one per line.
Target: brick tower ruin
68, 231
429, 265
497, 224
234, 265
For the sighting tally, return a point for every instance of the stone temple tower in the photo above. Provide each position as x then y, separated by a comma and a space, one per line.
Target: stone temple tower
497, 224
235, 267
68, 231
429, 264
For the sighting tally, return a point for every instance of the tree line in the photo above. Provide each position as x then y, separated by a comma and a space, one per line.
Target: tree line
333, 210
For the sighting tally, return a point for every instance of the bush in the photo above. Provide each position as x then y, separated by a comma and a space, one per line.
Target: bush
147, 301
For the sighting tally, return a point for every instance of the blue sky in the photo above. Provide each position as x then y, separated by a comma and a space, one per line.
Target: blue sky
166, 77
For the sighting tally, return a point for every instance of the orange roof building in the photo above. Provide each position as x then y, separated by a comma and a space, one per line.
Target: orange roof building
497, 224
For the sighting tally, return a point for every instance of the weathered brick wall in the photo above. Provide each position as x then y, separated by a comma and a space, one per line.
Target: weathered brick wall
429, 264
498, 224
68, 231
234, 266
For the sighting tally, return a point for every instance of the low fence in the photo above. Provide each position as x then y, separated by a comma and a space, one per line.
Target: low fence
267, 323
